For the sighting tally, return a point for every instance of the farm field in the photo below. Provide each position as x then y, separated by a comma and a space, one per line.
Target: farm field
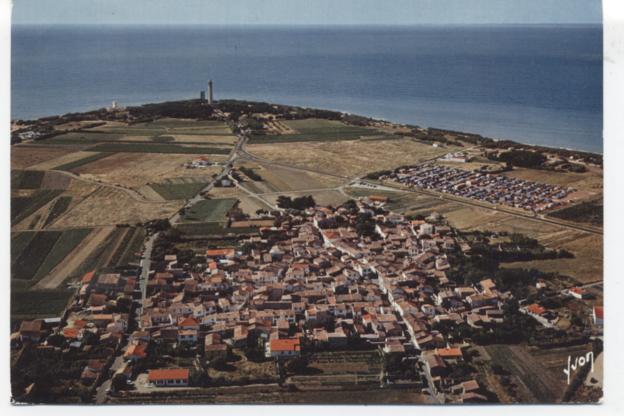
213, 210
205, 139
26, 179
247, 203
136, 169
27, 156
282, 179
35, 256
67, 242
108, 206
63, 159
590, 212
591, 180
93, 251
111, 147
34, 304
349, 158
585, 267
317, 130
72, 166
177, 191
24, 206
168, 126
90, 138
58, 208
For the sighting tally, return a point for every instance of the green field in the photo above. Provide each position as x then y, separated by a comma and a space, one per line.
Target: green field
59, 207
98, 259
157, 148
80, 162
173, 126
176, 191
67, 242
129, 246
35, 254
85, 138
317, 130
24, 206
27, 264
33, 304
19, 241
133, 247
26, 179
213, 210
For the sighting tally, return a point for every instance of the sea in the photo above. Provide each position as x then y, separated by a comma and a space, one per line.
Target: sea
535, 84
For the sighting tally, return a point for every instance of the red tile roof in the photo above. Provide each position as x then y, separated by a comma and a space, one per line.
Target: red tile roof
220, 252
169, 374
449, 352
88, 277
286, 344
136, 350
599, 311
536, 309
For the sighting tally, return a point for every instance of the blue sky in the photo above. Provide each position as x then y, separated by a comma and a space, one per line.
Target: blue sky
297, 12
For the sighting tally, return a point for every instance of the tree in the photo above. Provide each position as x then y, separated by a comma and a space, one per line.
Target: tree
297, 365
365, 225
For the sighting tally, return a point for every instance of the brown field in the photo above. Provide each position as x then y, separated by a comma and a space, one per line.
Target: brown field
281, 179
591, 181
586, 267
249, 205
55, 180
348, 157
23, 156
109, 206
36, 220
73, 261
149, 193
61, 160
137, 169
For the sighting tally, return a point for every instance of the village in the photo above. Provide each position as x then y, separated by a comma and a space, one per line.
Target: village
356, 277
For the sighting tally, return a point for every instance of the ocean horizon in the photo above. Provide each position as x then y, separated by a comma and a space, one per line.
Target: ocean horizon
535, 84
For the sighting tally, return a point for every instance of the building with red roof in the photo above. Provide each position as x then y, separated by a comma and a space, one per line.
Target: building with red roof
283, 348
169, 377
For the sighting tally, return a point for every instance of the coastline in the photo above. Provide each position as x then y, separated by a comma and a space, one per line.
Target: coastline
516, 142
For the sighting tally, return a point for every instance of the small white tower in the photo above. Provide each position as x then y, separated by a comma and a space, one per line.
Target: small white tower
210, 98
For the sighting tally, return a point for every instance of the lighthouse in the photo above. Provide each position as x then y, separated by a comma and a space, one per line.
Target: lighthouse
210, 98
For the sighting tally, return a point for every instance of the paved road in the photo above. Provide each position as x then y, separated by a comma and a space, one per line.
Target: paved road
146, 262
